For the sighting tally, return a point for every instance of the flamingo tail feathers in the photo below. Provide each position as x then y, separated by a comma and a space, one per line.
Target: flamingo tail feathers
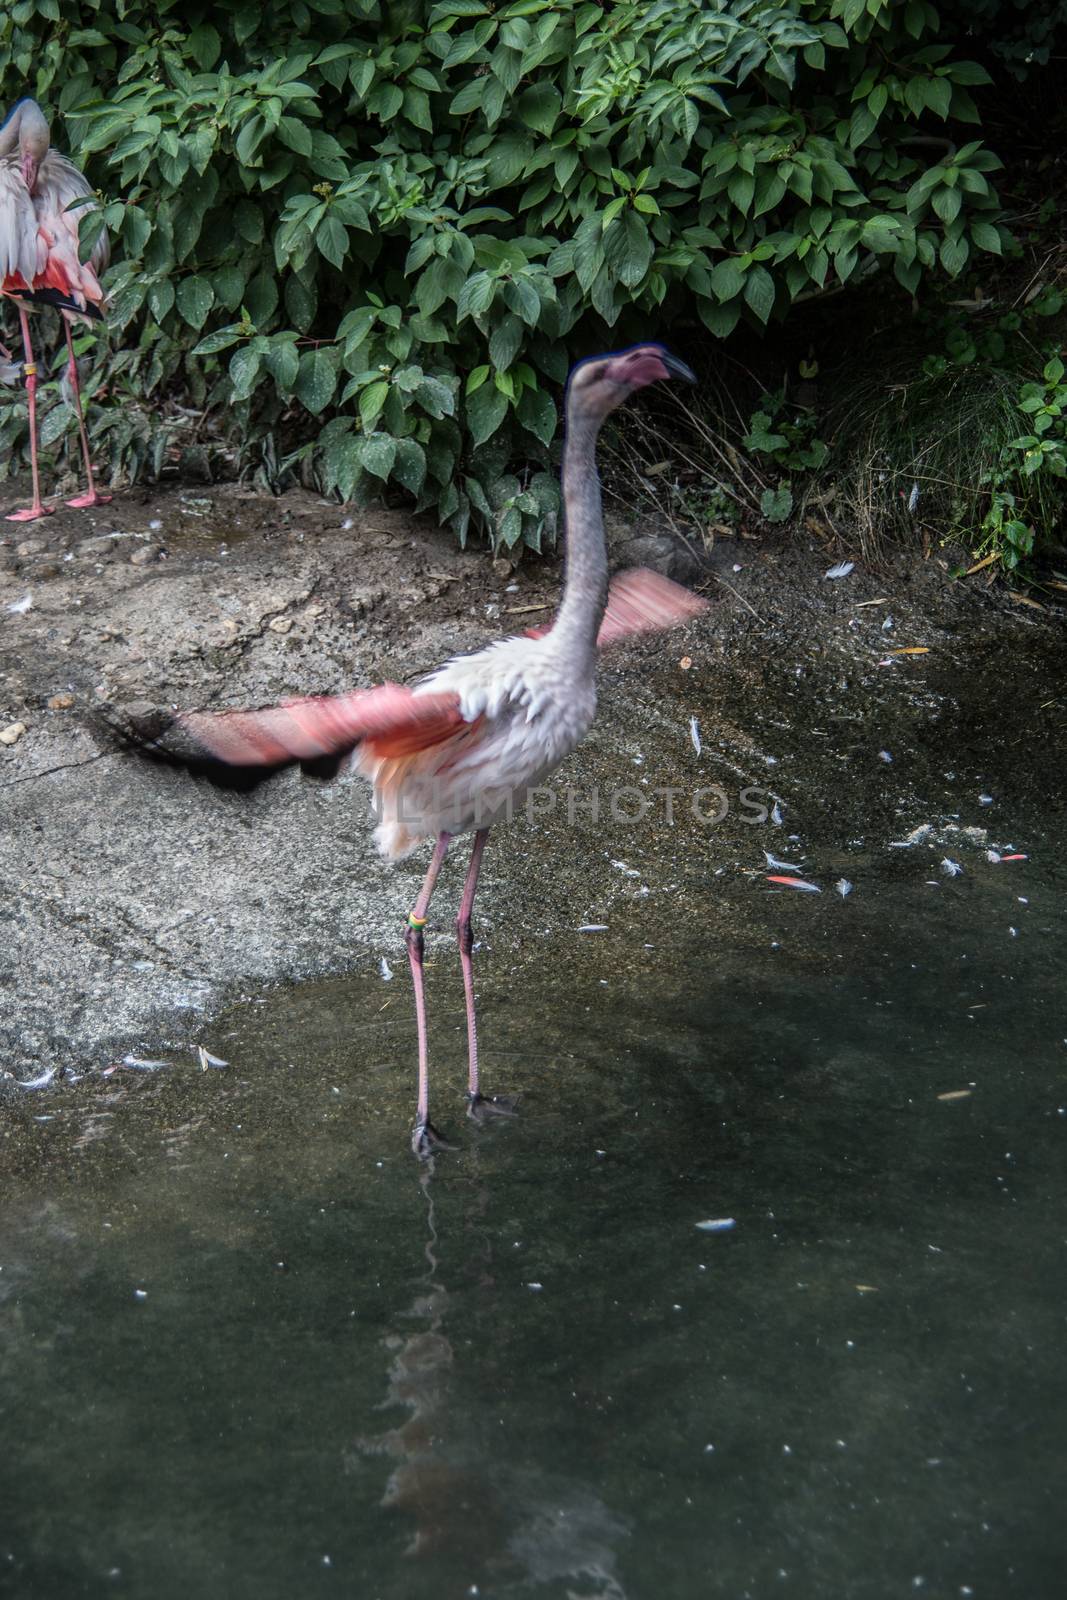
59, 300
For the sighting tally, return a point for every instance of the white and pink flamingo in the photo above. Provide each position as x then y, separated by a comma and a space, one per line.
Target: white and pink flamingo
460, 750
39, 262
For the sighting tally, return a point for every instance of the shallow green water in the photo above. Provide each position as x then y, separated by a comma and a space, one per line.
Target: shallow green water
248, 1348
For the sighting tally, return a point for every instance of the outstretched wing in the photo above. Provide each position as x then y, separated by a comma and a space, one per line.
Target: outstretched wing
641, 601
239, 748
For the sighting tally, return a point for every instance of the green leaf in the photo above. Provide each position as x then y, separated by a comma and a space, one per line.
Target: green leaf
986, 237
160, 298
244, 370
195, 298
204, 46
537, 411
776, 504
505, 341
301, 303
371, 402
485, 412
218, 339
316, 379
376, 453
759, 292
409, 468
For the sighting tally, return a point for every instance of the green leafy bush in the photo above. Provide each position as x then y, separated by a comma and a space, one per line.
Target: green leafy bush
374, 236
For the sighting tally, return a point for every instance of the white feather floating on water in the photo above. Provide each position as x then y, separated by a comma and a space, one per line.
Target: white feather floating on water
18, 608
776, 814
694, 733
842, 570
716, 1225
952, 869
843, 887
593, 927
386, 970
780, 866
796, 883
40, 1082
206, 1059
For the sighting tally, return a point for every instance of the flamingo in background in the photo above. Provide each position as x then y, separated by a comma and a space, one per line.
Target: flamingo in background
39, 262
461, 749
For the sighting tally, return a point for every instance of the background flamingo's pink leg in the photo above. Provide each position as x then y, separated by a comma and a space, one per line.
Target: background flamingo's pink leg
424, 1137
91, 497
31, 513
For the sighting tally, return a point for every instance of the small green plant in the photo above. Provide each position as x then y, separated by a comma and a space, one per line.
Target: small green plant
788, 440
1021, 481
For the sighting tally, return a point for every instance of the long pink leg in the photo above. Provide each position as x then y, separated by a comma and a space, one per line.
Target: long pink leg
31, 513
92, 497
478, 1106
424, 1136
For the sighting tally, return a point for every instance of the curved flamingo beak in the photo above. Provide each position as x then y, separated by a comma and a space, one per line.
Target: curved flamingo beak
676, 368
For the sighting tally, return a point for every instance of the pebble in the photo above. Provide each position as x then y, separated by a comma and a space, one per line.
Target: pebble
280, 624
30, 547
61, 702
145, 554
12, 733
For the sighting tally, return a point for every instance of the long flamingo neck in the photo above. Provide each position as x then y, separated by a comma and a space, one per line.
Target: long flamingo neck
585, 586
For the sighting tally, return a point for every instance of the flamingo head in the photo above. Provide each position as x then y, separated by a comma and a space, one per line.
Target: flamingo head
34, 136
602, 383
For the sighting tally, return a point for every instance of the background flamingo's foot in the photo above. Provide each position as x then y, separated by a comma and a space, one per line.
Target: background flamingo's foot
30, 514
91, 498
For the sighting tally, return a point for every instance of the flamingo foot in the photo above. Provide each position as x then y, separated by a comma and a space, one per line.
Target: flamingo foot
30, 514
482, 1108
91, 498
425, 1140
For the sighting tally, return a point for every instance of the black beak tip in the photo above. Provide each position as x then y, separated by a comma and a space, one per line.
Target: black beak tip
678, 369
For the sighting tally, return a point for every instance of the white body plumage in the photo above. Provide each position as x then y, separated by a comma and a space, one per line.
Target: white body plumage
524, 709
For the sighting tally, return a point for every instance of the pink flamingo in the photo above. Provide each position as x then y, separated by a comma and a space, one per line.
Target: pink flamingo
39, 261
461, 749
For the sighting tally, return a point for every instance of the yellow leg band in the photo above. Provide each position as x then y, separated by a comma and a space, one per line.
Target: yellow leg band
30, 369
416, 922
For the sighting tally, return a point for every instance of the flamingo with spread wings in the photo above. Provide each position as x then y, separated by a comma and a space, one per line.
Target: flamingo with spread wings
39, 262
460, 750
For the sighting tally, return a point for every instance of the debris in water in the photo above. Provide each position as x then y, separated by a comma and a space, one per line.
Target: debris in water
955, 1094
141, 1065
842, 570
867, 1288
883, 755
795, 883
717, 1225
985, 799
887, 625
685, 663
694, 733
39, 1082
776, 814
206, 1059
783, 866
140, 1294
916, 836
913, 497
386, 970
951, 868
631, 872
1014, 932
1015, 856
912, 650
843, 887
536, 1287
12, 733
593, 927
18, 608
993, 855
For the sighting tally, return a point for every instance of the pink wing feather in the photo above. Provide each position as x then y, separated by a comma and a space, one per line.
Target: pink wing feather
641, 601
324, 725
